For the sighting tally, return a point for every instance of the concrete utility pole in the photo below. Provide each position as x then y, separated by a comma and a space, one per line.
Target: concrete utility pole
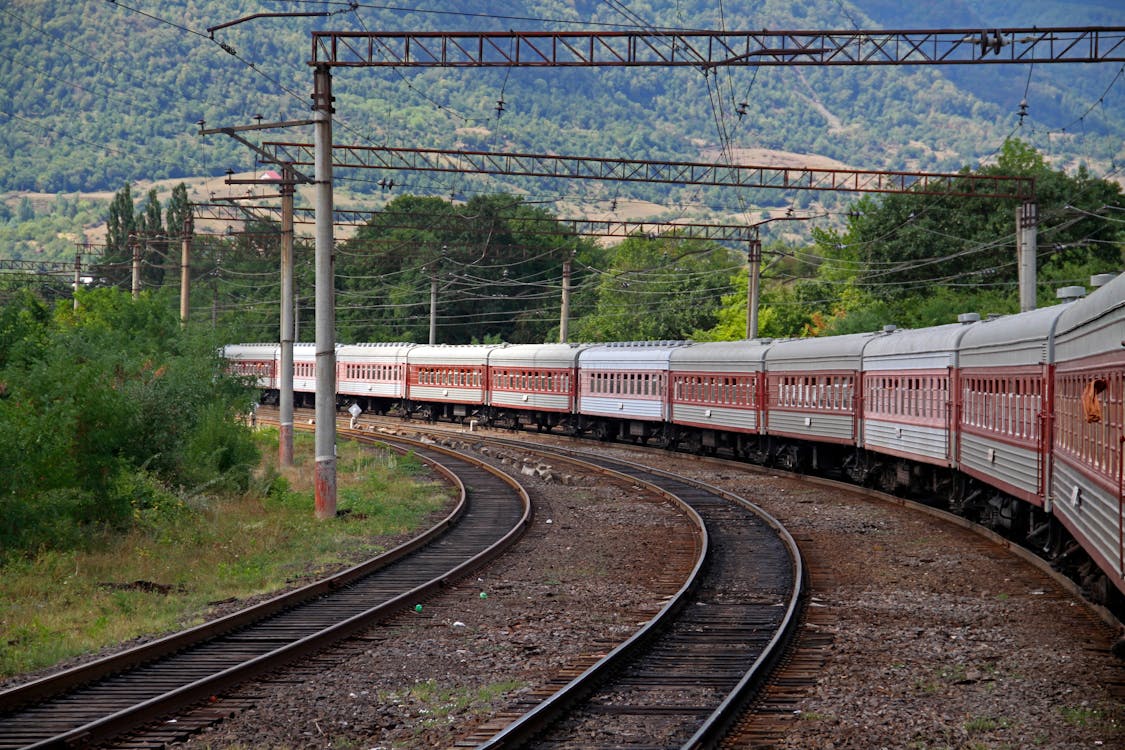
433, 309
77, 275
325, 443
754, 260
288, 329
136, 283
564, 314
1027, 241
185, 270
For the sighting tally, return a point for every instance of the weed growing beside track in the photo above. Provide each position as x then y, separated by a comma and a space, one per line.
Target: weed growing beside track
187, 557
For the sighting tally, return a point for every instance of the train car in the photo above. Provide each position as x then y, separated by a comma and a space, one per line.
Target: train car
1002, 437
909, 401
304, 375
259, 361
1086, 481
622, 389
533, 385
812, 401
446, 382
373, 376
717, 397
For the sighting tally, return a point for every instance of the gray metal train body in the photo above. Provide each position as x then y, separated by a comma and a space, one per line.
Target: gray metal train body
1015, 422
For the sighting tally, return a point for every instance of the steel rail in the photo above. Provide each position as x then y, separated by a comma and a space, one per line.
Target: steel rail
527, 728
17, 723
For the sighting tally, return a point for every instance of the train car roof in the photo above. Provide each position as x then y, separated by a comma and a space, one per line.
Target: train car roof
381, 351
249, 349
305, 350
1011, 340
823, 353
449, 354
729, 356
915, 348
1098, 304
536, 355
636, 355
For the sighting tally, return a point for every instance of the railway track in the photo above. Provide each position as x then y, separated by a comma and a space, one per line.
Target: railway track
685, 676
108, 697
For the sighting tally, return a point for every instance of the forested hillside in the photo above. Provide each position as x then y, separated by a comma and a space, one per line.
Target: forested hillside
95, 94
110, 96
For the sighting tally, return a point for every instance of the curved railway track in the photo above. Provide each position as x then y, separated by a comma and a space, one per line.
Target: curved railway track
108, 697
685, 676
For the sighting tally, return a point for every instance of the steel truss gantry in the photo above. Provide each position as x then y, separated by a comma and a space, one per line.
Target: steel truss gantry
712, 49
673, 172
538, 225
704, 50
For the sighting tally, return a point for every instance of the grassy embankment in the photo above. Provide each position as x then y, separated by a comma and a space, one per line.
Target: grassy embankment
167, 572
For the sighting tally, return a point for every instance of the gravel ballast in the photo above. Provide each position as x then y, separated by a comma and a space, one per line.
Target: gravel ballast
936, 638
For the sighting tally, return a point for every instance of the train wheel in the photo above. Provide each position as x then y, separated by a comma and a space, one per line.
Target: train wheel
886, 479
790, 458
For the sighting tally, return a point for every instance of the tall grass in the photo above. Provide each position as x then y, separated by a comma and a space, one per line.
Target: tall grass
185, 554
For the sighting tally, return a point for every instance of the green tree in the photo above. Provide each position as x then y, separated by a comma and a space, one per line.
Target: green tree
178, 214
121, 226
906, 251
154, 242
495, 261
656, 289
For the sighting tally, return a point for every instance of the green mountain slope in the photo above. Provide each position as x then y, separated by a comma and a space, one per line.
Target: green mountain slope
94, 94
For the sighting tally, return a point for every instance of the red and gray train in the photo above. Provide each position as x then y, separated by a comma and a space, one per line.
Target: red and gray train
1014, 421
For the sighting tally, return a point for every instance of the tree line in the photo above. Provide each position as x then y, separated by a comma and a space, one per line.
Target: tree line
491, 268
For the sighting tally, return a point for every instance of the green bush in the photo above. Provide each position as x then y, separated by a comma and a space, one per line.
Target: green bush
103, 409
219, 452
